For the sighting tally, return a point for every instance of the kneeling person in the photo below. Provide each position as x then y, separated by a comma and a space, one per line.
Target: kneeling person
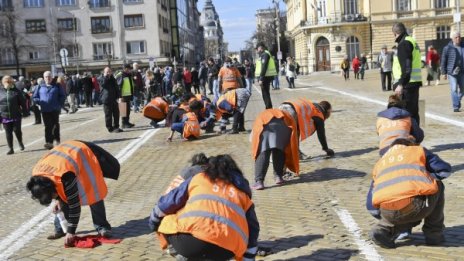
156, 110
73, 173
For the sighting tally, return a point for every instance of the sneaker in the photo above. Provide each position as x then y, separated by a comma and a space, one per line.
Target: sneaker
48, 146
105, 232
57, 142
110, 129
456, 110
21, 146
56, 236
279, 181
382, 240
403, 235
117, 130
11, 151
258, 185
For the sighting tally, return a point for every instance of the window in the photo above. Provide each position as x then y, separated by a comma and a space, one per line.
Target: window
66, 24
33, 3
6, 56
322, 11
442, 3
4, 30
352, 47
100, 24
34, 55
136, 47
99, 3
351, 6
403, 5
6, 5
65, 2
35, 26
443, 32
101, 51
132, 1
133, 21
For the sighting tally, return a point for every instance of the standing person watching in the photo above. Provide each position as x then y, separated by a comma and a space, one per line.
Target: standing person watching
34, 106
213, 85
138, 86
265, 71
249, 74
72, 173
433, 65
109, 98
126, 90
452, 63
88, 89
12, 107
71, 90
410, 77
290, 73
385, 60
50, 98
220, 225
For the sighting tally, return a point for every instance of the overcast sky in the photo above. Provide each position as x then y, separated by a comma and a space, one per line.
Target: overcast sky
238, 19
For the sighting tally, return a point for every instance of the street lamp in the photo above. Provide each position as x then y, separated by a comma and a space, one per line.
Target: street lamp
279, 53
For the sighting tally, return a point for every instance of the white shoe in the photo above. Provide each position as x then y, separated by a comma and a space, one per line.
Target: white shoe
437, 82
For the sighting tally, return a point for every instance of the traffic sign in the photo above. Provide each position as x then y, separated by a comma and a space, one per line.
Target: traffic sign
279, 55
457, 17
63, 52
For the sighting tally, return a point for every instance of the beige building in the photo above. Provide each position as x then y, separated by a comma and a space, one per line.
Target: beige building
94, 33
322, 32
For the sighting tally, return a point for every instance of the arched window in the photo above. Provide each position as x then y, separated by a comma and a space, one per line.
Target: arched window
352, 47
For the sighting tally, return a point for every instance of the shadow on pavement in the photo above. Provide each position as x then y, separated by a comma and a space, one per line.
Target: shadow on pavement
111, 140
351, 153
457, 168
451, 146
74, 120
132, 228
326, 174
327, 254
140, 128
269, 247
454, 237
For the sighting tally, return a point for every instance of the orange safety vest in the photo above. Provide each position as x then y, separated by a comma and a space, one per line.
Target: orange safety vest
215, 213
292, 160
231, 97
74, 156
400, 175
157, 109
390, 130
174, 184
305, 111
191, 126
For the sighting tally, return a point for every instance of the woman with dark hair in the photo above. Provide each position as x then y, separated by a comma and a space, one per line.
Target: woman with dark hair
209, 216
12, 108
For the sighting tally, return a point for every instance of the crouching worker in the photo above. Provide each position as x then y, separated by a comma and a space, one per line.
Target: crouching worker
310, 117
72, 173
233, 103
188, 125
210, 216
408, 189
274, 132
156, 110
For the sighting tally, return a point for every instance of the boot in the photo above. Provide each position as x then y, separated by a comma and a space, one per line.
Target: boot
21, 145
11, 151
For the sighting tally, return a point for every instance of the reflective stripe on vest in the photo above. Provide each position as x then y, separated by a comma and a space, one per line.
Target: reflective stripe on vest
401, 174
271, 66
390, 130
416, 66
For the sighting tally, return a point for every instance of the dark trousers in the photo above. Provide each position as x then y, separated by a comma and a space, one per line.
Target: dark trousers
411, 98
88, 99
98, 216
193, 248
125, 119
430, 208
265, 90
388, 77
111, 111
291, 82
11, 127
239, 121
210, 84
37, 116
52, 126
262, 163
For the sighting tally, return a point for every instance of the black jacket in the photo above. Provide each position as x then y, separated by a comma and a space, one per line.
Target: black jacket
71, 86
109, 89
12, 103
87, 84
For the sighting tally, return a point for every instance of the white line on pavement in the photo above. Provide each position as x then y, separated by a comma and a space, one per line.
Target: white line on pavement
427, 114
29, 230
366, 249
258, 90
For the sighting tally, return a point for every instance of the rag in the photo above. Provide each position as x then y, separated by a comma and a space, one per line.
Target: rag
92, 241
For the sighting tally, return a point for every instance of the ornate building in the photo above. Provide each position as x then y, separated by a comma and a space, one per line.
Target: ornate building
322, 32
213, 34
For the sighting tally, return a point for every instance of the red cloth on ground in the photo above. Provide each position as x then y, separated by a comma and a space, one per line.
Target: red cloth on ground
92, 241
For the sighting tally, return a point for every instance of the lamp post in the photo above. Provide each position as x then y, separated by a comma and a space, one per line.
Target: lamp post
279, 54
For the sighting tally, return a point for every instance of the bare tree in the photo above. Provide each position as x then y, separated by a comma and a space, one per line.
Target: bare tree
12, 38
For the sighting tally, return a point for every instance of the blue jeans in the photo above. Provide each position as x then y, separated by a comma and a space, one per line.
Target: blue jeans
216, 90
276, 82
249, 84
457, 88
178, 126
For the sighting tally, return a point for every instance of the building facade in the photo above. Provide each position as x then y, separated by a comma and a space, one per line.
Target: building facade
95, 34
322, 32
213, 34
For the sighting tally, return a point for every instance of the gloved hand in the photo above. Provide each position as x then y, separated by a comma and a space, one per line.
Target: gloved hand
329, 152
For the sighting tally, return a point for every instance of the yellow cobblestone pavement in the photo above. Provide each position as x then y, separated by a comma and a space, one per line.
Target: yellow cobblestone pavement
319, 216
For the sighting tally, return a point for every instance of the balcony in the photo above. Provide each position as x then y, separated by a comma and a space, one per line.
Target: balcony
443, 11
333, 19
405, 14
94, 4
